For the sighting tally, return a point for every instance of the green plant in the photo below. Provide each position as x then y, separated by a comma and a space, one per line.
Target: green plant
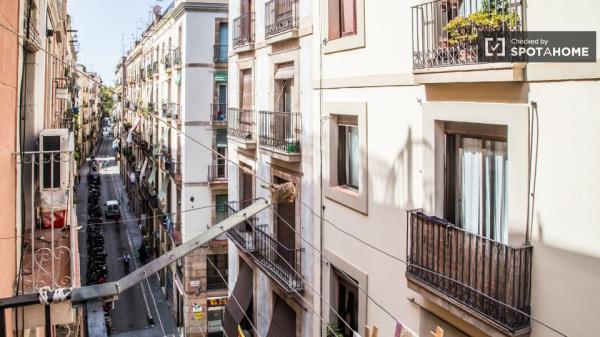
464, 31
76, 155
333, 330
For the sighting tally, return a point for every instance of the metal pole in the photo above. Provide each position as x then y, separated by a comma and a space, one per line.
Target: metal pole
2, 323
48, 322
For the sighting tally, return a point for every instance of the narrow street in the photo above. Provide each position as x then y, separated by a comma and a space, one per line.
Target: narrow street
143, 310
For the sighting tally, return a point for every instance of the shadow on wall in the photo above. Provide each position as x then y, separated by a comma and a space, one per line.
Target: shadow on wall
565, 290
399, 178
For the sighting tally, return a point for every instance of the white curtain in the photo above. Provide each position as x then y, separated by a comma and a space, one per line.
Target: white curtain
496, 210
353, 155
471, 173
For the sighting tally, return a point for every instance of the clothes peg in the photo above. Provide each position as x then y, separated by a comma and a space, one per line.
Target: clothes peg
439, 332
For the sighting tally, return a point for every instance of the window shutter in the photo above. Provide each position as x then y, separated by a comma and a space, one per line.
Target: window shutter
348, 17
334, 19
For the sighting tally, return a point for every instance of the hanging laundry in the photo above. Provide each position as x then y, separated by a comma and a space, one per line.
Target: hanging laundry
402, 331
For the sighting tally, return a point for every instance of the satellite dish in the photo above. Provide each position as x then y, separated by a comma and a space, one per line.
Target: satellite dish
156, 10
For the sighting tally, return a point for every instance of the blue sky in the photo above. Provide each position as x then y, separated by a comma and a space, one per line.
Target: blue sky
100, 24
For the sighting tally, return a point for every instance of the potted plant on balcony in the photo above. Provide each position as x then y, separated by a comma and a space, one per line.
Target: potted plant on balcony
463, 32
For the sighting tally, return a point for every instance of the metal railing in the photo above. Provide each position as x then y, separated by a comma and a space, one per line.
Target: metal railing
155, 68
446, 32
240, 123
280, 130
243, 30
177, 56
33, 39
175, 171
218, 113
282, 262
168, 61
217, 173
169, 110
463, 266
280, 16
221, 51
50, 255
243, 234
214, 281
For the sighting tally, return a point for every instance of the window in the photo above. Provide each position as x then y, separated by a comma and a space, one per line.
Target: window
342, 18
217, 274
221, 209
476, 177
346, 303
222, 150
348, 154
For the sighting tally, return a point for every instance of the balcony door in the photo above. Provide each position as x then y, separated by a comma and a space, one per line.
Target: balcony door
285, 227
223, 31
222, 100
476, 189
246, 8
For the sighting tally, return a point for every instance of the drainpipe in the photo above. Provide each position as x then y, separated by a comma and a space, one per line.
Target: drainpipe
322, 206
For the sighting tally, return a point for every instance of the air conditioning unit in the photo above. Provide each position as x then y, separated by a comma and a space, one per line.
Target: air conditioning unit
55, 167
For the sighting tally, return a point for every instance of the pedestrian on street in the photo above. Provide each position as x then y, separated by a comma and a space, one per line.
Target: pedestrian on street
126, 259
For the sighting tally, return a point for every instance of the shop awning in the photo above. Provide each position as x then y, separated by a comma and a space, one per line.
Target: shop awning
283, 321
285, 73
240, 300
220, 76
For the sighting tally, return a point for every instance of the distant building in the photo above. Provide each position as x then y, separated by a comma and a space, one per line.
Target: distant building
175, 79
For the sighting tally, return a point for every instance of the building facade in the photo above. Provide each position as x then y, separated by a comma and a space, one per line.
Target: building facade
40, 247
437, 174
271, 133
175, 96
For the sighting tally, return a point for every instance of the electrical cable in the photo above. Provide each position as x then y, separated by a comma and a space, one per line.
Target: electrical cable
415, 266
269, 184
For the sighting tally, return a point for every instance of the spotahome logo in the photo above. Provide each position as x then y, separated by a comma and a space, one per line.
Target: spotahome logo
538, 47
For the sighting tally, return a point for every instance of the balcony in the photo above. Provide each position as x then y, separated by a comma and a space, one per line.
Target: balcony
155, 68
175, 171
218, 116
217, 174
446, 34
50, 240
243, 32
243, 234
279, 134
281, 20
168, 62
462, 272
170, 110
281, 263
221, 51
177, 57
33, 42
240, 127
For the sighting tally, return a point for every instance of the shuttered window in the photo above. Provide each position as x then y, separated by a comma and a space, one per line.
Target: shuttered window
342, 18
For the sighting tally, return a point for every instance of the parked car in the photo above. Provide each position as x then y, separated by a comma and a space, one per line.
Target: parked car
112, 209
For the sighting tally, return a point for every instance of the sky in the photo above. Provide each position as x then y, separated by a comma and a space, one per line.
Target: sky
100, 25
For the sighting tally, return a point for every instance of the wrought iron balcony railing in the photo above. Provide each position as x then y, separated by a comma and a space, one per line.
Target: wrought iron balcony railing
155, 68
283, 263
217, 173
280, 16
33, 38
243, 30
177, 56
446, 32
218, 113
243, 235
280, 131
50, 248
470, 269
168, 61
221, 51
240, 123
